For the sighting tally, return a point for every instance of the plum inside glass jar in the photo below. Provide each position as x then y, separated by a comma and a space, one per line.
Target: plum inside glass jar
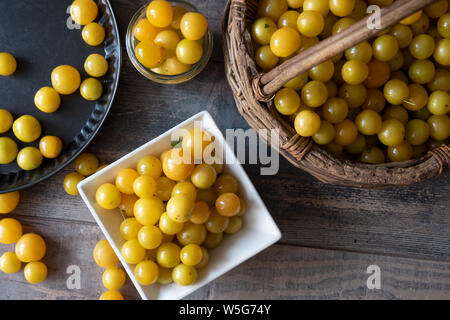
172, 54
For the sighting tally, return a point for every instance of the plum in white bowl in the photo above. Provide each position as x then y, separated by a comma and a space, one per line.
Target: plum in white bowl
258, 232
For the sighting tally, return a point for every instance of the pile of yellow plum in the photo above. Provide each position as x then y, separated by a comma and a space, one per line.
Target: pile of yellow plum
383, 100
86, 164
30, 248
113, 277
174, 212
65, 80
26, 129
170, 38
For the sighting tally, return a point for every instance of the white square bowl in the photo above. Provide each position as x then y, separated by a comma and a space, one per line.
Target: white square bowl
259, 231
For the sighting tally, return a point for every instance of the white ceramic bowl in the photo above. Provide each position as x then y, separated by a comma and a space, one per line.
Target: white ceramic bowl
259, 230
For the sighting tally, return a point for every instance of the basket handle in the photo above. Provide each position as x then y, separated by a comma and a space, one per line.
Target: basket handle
269, 83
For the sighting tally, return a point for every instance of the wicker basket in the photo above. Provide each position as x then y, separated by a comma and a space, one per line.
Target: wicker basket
258, 110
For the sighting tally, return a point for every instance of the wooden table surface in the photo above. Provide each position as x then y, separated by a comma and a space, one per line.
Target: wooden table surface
330, 234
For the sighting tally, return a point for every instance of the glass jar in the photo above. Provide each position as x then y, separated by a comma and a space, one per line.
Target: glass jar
132, 42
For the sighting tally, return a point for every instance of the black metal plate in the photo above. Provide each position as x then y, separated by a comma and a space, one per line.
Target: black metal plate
41, 36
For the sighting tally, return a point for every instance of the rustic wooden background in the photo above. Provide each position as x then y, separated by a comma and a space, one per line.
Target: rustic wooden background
330, 234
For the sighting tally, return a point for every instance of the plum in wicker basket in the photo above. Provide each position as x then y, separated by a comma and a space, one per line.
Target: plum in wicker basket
253, 92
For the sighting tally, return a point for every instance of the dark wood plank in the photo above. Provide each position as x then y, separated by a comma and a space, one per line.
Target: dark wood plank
287, 272
280, 272
410, 222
